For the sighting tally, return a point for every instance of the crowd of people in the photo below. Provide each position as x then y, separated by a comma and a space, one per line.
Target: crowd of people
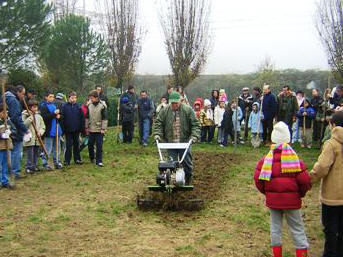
50, 128
250, 114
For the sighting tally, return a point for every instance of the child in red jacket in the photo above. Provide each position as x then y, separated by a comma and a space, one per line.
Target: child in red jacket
283, 178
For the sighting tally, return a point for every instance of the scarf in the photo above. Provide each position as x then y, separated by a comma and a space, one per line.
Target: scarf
52, 108
290, 162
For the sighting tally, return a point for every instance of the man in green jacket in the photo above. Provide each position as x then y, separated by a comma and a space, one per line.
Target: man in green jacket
177, 123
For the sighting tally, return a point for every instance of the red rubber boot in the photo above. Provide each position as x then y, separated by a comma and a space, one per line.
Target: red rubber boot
277, 251
302, 253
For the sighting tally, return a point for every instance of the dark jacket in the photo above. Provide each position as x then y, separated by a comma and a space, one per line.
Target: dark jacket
316, 103
47, 117
336, 100
269, 106
287, 108
132, 97
245, 102
127, 112
104, 98
227, 120
14, 113
73, 118
145, 108
284, 190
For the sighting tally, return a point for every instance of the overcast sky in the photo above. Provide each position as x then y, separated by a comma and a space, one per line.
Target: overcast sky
244, 33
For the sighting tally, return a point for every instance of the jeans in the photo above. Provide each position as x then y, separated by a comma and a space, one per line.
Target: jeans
32, 153
187, 164
50, 146
98, 139
16, 156
267, 129
207, 133
127, 129
4, 167
72, 146
296, 133
332, 219
144, 129
295, 224
221, 132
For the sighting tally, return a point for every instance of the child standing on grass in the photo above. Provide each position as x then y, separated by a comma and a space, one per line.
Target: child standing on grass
5, 141
207, 122
227, 125
236, 120
308, 114
283, 178
329, 169
219, 111
32, 145
255, 121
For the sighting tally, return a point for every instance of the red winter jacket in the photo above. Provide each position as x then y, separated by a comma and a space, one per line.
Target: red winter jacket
284, 190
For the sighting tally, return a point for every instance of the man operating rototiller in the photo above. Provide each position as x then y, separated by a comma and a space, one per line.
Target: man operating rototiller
177, 124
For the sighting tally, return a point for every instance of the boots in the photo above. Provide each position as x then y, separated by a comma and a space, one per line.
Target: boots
302, 253
277, 251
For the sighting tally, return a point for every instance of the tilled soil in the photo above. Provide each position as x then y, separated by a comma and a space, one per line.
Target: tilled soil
209, 170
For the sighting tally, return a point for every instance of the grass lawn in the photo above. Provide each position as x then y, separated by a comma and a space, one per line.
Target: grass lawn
90, 211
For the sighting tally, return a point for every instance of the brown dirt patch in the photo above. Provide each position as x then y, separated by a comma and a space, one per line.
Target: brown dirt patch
209, 170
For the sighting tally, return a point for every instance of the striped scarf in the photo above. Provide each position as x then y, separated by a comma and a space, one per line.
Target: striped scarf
290, 162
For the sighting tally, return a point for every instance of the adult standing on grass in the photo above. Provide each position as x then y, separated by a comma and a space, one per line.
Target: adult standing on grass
96, 126
177, 124
329, 169
283, 178
145, 113
269, 110
316, 102
287, 107
51, 116
73, 124
13, 97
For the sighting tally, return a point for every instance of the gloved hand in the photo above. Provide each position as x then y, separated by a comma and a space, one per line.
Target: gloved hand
157, 138
6, 134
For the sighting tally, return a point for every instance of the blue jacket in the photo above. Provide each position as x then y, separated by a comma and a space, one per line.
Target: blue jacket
145, 108
253, 120
311, 114
237, 126
269, 106
73, 118
14, 113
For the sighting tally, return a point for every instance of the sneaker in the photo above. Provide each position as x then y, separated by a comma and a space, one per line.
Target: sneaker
145, 144
29, 171
58, 166
47, 167
100, 164
78, 162
221, 145
9, 186
36, 169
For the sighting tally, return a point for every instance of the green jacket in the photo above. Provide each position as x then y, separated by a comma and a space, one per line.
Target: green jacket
163, 125
288, 108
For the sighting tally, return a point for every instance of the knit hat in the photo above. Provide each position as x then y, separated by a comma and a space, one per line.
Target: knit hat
280, 133
207, 102
174, 97
60, 96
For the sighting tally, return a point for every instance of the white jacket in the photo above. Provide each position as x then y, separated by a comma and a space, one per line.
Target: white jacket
218, 115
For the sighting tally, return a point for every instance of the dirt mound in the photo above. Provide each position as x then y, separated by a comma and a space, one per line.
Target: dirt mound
209, 169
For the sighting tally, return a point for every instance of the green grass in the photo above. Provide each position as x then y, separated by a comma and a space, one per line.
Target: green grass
89, 211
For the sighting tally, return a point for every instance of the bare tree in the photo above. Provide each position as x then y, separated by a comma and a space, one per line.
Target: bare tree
185, 24
329, 23
63, 8
124, 37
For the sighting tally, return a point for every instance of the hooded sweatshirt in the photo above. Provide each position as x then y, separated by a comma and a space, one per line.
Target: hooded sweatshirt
255, 118
329, 169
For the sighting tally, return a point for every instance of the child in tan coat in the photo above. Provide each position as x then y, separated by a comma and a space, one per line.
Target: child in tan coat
329, 169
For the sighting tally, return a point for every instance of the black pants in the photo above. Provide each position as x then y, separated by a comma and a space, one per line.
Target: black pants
127, 129
267, 129
332, 219
227, 133
207, 133
316, 130
95, 138
72, 146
